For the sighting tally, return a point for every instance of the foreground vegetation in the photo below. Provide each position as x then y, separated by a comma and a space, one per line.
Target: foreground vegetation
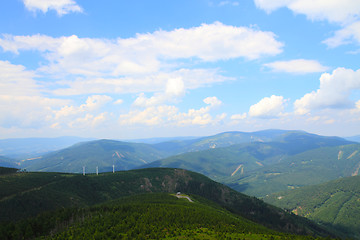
145, 216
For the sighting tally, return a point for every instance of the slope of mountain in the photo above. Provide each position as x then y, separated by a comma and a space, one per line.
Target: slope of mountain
22, 148
307, 168
100, 153
336, 203
28, 194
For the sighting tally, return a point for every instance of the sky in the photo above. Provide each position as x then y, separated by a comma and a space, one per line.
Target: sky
139, 69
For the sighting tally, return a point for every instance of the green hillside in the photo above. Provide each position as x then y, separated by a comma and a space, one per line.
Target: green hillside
27, 194
307, 168
335, 203
100, 153
146, 216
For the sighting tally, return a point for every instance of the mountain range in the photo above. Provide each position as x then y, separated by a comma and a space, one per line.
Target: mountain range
259, 164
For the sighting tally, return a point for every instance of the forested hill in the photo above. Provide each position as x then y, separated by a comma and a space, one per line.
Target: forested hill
335, 203
28, 194
144, 216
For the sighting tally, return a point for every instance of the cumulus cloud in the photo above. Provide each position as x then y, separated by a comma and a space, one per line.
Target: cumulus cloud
192, 79
27, 111
145, 53
268, 107
339, 11
297, 66
18, 81
93, 103
62, 7
239, 116
170, 115
334, 91
229, 3
174, 89
348, 34
346, 13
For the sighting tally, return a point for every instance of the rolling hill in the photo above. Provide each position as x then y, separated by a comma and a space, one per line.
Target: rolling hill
335, 203
29, 194
100, 153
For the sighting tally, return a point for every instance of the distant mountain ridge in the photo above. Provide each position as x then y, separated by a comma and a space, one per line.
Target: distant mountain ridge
100, 154
21, 148
103, 154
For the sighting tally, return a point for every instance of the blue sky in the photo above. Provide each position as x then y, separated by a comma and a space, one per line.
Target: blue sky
138, 69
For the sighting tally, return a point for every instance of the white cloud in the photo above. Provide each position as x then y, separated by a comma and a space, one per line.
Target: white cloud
297, 66
146, 53
153, 115
15, 79
157, 82
239, 116
174, 89
343, 12
62, 7
170, 115
93, 103
229, 3
88, 121
119, 101
347, 35
27, 111
268, 107
357, 104
338, 11
334, 91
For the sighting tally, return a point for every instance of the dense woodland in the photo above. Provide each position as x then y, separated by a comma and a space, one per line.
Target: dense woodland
149, 216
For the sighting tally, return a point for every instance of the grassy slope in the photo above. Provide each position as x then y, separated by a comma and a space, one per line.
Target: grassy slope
28, 194
334, 203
